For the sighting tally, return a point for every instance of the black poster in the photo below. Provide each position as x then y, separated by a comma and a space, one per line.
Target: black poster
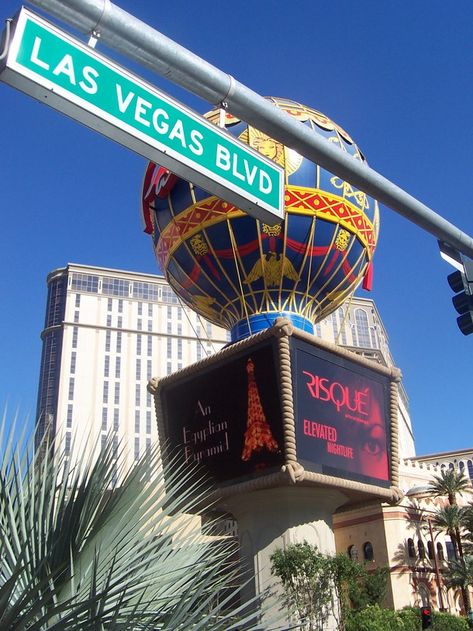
228, 417
342, 422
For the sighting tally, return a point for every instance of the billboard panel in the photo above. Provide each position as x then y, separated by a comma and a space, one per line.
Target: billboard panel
227, 416
341, 415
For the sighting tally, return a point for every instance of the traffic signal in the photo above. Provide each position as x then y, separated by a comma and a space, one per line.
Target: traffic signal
426, 615
462, 285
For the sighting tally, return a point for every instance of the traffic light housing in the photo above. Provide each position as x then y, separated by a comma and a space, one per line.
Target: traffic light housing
461, 283
426, 616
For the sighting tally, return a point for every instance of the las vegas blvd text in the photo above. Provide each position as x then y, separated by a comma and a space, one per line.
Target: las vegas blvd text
150, 114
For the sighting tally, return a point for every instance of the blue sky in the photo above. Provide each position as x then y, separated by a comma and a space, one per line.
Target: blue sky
396, 74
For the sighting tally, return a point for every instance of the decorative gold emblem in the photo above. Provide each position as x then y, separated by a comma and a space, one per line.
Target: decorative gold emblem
198, 245
273, 269
203, 304
272, 231
349, 191
342, 240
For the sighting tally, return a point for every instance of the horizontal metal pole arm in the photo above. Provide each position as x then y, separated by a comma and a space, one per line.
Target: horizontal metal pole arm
140, 42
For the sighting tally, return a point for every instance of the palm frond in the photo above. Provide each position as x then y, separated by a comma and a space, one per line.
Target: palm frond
78, 550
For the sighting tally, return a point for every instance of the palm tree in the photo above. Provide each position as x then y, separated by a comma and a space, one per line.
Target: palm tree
468, 532
450, 483
79, 552
460, 574
451, 520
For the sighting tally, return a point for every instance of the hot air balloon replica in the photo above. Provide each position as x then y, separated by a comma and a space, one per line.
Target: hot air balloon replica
242, 274
290, 427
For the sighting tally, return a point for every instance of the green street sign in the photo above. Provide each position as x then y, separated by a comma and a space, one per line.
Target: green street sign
73, 78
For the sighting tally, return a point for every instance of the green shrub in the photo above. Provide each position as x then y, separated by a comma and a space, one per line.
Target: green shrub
447, 622
411, 618
374, 618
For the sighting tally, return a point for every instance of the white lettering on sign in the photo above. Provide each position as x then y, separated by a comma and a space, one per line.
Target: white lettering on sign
66, 67
42, 60
230, 162
145, 115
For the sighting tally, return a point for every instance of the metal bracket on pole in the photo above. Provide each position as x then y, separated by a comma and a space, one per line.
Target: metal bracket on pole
6, 43
96, 33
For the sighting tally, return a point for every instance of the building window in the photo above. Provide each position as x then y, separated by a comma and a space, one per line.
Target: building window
430, 550
139, 325
179, 349
108, 337
103, 442
77, 302
69, 416
75, 335
73, 363
105, 392
150, 325
169, 313
168, 295
109, 320
198, 350
85, 282
149, 369
362, 328
104, 419
411, 550
106, 366
140, 308
109, 304
353, 552
469, 464
150, 345
119, 342
146, 291
138, 370
115, 286
116, 398
116, 419
117, 367
168, 368
137, 395
67, 445
421, 549
148, 422
71, 388
138, 344
137, 421
451, 556
137, 448
120, 305
119, 322
440, 554
148, 400
76, 317
368, 552
150, 310
148, 445
179, 329
169, 327
115, 446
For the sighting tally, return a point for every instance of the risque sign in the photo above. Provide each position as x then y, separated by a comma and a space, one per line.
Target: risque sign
282, 408
53, 67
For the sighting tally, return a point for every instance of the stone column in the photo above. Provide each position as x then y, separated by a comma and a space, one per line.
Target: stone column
276, 518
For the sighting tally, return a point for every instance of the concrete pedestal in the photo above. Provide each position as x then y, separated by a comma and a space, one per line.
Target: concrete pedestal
276, 518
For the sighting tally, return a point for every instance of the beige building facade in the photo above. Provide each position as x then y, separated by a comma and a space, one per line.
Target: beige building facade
402, 536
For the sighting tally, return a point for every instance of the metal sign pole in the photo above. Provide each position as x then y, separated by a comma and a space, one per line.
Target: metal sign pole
143, 44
